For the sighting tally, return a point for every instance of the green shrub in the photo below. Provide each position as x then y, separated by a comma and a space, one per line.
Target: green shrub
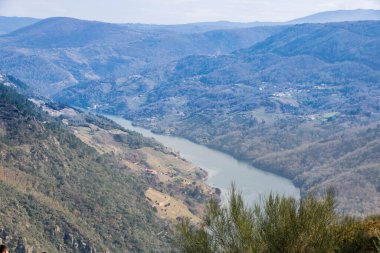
280, 224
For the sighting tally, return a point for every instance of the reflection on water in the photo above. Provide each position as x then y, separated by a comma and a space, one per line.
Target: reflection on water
222, 168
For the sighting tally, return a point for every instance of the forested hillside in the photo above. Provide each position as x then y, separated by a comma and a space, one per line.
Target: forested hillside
60, 52
58, 194
64, 190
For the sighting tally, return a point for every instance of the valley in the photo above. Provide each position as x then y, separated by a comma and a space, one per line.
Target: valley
285, 105
299, 99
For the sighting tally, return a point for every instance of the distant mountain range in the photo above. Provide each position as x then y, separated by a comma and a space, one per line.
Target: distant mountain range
322, 17
338, 16
71, 51
9, 24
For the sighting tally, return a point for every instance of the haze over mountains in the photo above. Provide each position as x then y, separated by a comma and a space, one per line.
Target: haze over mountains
299, 100
338, 16
10, 24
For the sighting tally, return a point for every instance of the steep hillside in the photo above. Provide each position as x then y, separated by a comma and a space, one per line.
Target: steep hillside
63, 189
304, 85
58, 193
10, 24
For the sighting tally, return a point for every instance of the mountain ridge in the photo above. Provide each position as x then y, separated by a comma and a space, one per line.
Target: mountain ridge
320, 17
339, 16
111, 52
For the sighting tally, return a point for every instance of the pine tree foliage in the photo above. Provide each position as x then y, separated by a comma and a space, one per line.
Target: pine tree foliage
278, 225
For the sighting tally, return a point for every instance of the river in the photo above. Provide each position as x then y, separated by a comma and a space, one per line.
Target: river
222, 168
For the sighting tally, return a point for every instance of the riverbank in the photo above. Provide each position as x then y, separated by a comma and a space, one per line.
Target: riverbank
222, 168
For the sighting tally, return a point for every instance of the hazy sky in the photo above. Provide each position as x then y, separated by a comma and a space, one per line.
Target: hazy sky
178, 11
